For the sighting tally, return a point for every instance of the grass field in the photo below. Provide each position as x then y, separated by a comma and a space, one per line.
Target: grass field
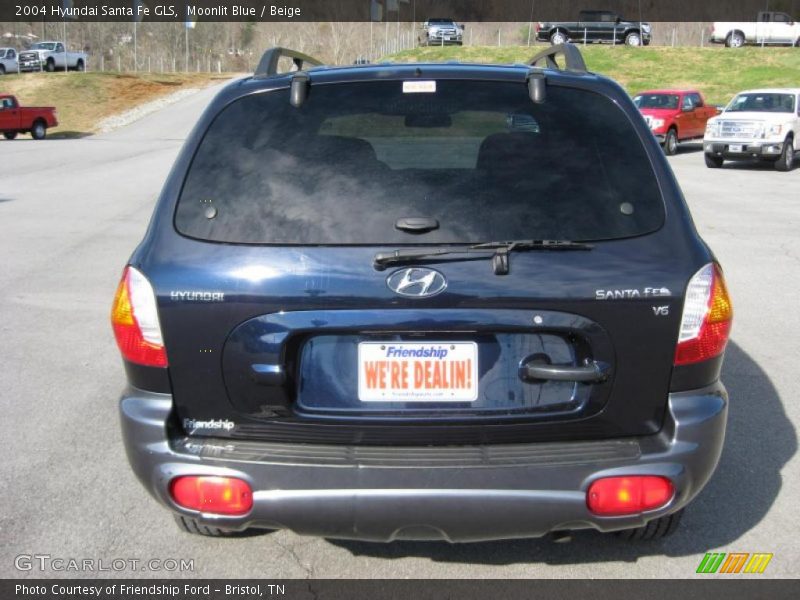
716, 71
83, 100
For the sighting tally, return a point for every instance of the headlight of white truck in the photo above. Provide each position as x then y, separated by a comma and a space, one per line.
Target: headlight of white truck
774, 130
712, 128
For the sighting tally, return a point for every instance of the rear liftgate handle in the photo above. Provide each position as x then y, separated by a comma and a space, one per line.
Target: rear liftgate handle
591, 371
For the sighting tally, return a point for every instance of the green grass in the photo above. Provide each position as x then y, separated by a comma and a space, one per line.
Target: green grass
84, 99
716, 71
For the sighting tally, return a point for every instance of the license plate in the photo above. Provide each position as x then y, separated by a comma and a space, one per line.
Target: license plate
447, 38
735, 148
417, 371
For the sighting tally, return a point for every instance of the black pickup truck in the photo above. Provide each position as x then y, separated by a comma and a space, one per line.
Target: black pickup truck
595, 26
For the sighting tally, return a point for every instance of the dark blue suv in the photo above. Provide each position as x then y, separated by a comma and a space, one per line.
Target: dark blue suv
423, 301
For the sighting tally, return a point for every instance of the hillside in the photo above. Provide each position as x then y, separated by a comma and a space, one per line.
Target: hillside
718, 72
83, 100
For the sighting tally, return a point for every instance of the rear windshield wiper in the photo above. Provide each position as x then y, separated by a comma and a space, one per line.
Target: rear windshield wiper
499, 252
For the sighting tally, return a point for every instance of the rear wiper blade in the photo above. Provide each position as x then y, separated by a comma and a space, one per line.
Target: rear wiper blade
499, 249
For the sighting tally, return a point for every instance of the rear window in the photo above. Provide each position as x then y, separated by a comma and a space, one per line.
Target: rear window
667, 101
479, 157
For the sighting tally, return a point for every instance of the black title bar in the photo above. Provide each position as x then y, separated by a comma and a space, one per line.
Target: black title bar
385, 10
342, 589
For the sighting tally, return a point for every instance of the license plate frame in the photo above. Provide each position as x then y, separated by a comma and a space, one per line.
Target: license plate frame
434, 371
735, 148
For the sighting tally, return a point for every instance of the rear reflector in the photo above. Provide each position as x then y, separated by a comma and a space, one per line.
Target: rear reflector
615, 496
707, 317
217, 495
134, 317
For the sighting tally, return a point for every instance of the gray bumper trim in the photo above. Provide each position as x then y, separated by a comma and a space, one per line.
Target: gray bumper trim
457, 494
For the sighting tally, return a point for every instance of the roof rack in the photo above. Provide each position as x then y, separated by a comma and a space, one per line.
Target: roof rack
572, 58
268, 65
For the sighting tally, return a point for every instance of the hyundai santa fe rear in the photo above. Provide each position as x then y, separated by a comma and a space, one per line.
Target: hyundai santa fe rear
459, 302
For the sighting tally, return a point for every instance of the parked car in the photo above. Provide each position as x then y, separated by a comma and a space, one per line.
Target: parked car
762, 124
16, 119
51, 56
675, 115
412, 340
768, 28
595, 26
440, 32
8, 61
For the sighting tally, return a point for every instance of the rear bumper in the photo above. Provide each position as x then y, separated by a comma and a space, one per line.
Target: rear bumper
459, 494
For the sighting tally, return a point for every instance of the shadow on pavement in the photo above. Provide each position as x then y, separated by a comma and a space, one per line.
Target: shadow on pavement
690, 148
760, 440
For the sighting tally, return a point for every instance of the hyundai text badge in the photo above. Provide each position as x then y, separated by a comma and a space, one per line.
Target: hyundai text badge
417, 282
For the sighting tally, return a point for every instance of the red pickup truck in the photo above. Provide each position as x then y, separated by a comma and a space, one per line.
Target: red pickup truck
675, 115
15, 119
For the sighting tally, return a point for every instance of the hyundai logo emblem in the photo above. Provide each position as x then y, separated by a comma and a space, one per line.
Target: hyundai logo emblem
417, 282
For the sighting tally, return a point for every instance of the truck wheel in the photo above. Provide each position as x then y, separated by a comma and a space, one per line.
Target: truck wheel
633, 39
558, 37
39, 130
50, 65
734, 40
2, 70
10, 135
714, 162
786, 160
671, 142
654, 530
80, 66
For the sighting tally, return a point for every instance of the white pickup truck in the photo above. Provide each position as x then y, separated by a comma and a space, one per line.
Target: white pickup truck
769, 28
761, 124
51, 56
8, 61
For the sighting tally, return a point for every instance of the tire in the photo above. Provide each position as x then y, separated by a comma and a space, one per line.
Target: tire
50, 65
80, 66
39, 130
786, 160
734, 40
671, 142
2, 70
714, 162
10, 135
654, 530
190, 525
633, 39
558, 37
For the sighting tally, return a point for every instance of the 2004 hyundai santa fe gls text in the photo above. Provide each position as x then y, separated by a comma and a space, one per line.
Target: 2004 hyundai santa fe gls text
423, 301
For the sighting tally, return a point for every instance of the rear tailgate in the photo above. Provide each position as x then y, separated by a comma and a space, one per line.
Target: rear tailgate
278, 326
273, 353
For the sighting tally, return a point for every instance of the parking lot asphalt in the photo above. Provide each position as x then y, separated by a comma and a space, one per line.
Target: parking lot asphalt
71, 211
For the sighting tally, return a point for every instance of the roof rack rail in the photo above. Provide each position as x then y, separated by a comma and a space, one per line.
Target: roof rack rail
268, 65
572, 57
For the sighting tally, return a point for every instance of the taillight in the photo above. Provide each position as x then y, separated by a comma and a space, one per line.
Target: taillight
707, 317
134, 318
615, 496
220, 495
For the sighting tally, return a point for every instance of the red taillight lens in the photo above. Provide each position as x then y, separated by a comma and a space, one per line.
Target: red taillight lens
134, 317
615, 496
219, 495
707, 318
